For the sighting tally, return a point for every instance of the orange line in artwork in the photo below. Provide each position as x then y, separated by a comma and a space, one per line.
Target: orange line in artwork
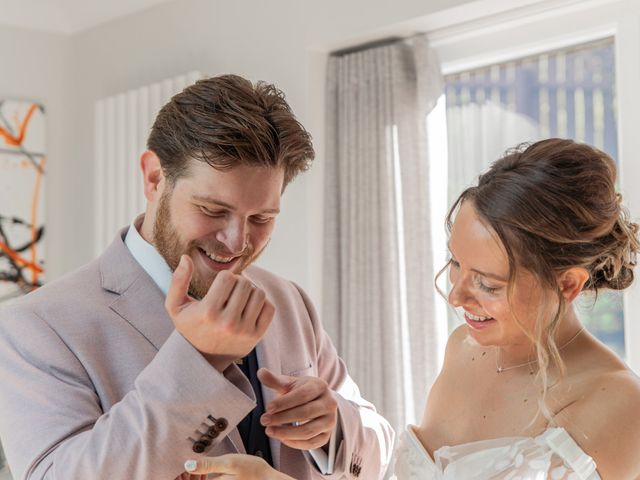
16, 141
17, 258
34, 218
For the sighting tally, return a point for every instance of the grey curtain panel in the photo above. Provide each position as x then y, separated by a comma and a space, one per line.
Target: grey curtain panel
378, 290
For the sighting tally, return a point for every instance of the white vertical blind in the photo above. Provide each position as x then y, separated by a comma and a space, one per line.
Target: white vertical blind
122, 125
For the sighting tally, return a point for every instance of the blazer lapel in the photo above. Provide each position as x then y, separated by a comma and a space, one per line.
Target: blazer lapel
149, 317
140, 302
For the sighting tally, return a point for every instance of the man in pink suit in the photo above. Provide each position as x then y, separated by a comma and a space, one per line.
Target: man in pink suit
149, 355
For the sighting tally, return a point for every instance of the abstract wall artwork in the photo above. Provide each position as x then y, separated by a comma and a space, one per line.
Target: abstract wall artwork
22, 169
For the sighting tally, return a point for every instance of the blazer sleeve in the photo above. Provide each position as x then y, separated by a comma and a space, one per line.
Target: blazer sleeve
53, 426
367, 437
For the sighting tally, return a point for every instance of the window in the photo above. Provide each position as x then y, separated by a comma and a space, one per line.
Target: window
489, 33
568, 93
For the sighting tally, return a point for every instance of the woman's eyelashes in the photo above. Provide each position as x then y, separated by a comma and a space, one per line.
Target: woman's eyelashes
477, 279
485, 288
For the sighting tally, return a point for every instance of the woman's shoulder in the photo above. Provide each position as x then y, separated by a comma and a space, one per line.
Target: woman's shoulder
459, 345
452, 348
457, 339
604, 419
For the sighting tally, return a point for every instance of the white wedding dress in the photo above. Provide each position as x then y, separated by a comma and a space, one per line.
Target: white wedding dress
553, 455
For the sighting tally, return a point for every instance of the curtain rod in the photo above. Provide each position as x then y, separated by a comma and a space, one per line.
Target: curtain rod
366, 46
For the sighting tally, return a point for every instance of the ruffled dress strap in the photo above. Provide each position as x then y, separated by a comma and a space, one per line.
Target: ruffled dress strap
566, 448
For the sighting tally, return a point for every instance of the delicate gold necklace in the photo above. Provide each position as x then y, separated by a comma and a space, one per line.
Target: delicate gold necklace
500, 369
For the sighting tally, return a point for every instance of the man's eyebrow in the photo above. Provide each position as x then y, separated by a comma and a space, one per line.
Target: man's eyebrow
220, 203
480, 272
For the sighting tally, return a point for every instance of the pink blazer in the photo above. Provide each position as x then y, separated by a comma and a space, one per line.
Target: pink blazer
97, 384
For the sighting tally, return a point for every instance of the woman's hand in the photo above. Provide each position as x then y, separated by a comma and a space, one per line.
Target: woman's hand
235, 467
186, 476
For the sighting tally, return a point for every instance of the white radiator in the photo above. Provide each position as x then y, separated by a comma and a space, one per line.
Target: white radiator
122, 125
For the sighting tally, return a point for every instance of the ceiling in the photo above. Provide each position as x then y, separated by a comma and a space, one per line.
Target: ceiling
67, 16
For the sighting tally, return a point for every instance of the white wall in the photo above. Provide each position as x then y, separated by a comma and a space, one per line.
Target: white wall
35, 66
281, 41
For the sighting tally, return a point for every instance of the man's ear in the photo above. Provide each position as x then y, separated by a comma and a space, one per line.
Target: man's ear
572, 281
152, 175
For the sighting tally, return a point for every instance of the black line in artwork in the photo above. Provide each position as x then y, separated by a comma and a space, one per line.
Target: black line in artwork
36, 165
18, 152
6, 122
27, 246
15, 273
21, 148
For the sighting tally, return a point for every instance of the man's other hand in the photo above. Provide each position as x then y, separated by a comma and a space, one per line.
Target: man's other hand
305, 413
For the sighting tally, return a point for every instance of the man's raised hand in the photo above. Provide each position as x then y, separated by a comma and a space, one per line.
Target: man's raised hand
227, 323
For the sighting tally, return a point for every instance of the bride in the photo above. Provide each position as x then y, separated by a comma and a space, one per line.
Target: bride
525, 391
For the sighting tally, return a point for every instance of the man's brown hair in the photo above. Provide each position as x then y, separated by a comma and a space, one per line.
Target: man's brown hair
227, 121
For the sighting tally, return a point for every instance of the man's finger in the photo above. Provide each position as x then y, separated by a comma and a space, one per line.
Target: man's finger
279, 383
220, 290
179, 288
300, 414
254, 305
303, 393
316, 442
239, 296
265, 317
304, 431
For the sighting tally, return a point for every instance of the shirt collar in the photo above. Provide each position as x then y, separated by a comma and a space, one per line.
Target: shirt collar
148, 257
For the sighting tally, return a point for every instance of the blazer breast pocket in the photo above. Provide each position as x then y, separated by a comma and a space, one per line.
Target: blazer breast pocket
301, 370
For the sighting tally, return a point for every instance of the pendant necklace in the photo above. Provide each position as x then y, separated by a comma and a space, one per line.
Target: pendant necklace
500, 369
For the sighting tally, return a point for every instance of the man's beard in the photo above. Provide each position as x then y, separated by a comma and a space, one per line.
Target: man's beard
168, 244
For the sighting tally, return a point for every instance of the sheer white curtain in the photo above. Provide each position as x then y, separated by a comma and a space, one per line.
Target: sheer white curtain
478, 135
378, 278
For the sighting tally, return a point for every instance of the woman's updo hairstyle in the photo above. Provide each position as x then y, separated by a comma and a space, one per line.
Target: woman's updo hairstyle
554, 206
